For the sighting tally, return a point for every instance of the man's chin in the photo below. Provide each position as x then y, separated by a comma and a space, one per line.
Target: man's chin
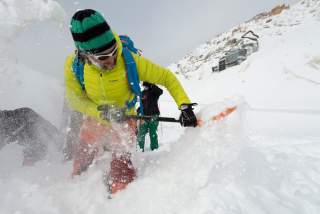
108, 68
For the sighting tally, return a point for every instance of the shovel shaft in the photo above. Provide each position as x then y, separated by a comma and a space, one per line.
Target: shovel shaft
160, 119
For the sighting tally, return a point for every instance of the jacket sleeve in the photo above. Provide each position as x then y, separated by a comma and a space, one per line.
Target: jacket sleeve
153, 73
76, 97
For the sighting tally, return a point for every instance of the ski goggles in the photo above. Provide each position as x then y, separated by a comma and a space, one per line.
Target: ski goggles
103, 56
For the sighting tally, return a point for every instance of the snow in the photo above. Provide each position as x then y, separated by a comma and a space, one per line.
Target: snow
19, 85
263, 158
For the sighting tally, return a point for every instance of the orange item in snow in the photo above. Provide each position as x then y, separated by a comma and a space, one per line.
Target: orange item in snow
219, 116
224, 113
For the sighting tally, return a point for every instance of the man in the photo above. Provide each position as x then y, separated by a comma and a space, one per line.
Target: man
105, 80
150, 97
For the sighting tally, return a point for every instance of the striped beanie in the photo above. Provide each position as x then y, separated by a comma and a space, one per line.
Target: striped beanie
90, 31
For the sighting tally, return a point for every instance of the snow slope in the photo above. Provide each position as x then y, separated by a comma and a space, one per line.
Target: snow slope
263, 158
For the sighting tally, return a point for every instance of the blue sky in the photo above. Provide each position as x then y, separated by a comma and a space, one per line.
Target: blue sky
165, 30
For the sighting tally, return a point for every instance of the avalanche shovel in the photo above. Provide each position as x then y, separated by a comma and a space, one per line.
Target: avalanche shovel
201, 122
113, 114
160, 119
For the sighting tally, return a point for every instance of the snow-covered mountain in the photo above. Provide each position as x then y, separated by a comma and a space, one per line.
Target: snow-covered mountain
271, 25
284, 73
262, 158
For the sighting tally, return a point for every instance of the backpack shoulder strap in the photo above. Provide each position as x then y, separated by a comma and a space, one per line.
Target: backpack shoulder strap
128, 43
133, 78
78, 69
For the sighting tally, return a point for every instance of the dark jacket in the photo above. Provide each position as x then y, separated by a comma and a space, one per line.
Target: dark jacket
150, 99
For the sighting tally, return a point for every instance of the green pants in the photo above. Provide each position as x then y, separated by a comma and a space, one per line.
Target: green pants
150, 126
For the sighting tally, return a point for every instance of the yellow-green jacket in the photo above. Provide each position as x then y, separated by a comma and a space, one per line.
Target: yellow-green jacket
111, 87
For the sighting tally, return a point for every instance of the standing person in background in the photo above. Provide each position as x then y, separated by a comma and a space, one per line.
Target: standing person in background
150, 97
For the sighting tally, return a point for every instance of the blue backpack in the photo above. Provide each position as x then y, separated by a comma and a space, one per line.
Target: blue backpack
131, 68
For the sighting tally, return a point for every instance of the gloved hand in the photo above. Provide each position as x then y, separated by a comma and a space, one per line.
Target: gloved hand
112, 113
187, 116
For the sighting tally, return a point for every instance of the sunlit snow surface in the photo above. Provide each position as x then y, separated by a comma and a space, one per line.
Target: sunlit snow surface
262, 158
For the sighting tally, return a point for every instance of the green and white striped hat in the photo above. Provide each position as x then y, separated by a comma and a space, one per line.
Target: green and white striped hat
90, 31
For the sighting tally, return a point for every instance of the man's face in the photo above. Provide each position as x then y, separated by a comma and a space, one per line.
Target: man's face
106, 59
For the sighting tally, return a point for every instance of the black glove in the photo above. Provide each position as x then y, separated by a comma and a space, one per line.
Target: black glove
187, 116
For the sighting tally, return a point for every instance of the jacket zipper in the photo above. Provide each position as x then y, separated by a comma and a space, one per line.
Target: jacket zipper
103, 89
